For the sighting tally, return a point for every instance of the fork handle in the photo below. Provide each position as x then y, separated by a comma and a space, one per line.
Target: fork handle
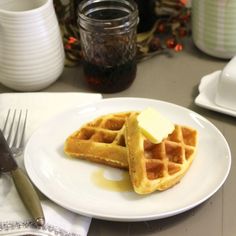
28, 195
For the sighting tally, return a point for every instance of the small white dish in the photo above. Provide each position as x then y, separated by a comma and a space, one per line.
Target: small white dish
207, 94
226, 86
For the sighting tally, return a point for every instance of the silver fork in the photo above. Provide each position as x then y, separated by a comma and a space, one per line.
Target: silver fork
14, 130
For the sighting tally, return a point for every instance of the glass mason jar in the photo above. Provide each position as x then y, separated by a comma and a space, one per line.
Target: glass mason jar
108, 30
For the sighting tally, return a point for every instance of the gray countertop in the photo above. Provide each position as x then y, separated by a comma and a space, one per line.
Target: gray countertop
173, 79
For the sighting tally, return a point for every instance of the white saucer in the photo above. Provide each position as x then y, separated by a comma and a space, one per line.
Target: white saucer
207, 92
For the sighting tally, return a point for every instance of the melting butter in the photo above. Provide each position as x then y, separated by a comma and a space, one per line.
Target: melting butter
154, 125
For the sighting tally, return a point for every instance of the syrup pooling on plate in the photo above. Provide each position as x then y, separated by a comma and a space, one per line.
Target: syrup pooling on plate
111, 182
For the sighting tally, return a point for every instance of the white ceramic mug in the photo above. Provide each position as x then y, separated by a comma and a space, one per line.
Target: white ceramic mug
214, 27
31, 49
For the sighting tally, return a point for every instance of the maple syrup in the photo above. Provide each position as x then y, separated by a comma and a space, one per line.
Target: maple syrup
108, 31
110, 79
121, 184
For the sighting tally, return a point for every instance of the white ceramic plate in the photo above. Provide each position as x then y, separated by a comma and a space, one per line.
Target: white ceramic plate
70, 182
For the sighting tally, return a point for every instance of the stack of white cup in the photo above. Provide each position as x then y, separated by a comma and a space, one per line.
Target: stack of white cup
214, 27
31, 49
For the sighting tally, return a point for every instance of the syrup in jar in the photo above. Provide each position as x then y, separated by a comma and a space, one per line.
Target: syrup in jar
110, 79
108, 39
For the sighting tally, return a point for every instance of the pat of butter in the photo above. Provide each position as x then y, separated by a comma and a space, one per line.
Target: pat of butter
154, 125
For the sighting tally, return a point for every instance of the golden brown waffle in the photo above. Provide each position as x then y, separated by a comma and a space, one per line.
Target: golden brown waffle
101, 140
158, 166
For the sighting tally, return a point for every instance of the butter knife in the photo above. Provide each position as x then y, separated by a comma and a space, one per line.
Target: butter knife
23, 185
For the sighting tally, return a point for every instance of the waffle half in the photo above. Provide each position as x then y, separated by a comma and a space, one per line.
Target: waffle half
158, 166
101, 140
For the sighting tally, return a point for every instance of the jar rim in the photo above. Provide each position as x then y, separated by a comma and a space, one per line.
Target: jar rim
128, 20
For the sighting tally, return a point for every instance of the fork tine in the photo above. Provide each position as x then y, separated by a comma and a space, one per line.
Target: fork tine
14, 143
14, 130
11, 127
23, 130
5, 124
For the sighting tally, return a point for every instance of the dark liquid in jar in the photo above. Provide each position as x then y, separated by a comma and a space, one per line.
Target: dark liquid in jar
107, 14
110, 79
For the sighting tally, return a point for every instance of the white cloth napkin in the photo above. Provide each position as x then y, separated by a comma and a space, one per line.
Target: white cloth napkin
14, 218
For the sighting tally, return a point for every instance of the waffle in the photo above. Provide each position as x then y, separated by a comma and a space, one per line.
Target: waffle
101, 140
158, 166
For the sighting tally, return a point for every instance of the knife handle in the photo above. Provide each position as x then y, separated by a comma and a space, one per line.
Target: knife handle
28, 195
